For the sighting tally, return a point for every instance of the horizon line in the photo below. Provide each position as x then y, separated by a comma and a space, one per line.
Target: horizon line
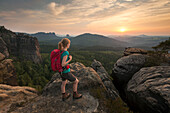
71, 34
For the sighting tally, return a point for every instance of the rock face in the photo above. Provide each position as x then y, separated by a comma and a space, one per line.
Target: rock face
20, 45
50, 100
149, 90
12, 97
129, 51
112, 91
3, 48
124, 69
7, 71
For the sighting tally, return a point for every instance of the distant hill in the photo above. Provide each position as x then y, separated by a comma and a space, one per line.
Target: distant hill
42, 36
47, 37
94, 41
88, 39
148, 40
142, 41
83, 40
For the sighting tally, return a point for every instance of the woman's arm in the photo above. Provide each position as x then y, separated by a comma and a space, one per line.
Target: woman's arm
64, 61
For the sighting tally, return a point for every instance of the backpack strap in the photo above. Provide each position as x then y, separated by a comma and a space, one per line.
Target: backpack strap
61, 52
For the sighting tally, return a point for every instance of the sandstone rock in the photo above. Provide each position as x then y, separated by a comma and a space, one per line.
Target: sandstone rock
77, 66
7, 72
129, 51
124, 69
50, 100
3, 48
21, 45
12, 97
112, 91
2, 57
149, 90
87, 104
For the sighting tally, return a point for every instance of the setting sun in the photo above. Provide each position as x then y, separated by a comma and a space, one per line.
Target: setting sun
122, 30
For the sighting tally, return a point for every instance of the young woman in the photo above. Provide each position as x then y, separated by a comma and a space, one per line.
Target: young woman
66, 75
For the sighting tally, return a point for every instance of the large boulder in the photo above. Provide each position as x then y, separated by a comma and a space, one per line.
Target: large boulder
12, 97
124, 69
149, 90
50, 101
130, 50
106, 79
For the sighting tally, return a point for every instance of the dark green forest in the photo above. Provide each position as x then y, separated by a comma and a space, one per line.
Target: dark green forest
33, 75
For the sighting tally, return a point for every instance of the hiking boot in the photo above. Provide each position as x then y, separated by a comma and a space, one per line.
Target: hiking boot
65, 96
76, 95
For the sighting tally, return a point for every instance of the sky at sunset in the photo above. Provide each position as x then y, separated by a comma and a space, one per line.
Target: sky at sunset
107, 17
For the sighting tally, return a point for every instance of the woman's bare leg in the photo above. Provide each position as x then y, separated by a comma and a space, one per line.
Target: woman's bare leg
63, 86
76, 95
75, 84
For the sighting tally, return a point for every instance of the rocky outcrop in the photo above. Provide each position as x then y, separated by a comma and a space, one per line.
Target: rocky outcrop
149, 90
130, 50
106, 79
50, 100
87, 75
145, 90
7, 71
12, 97
124, 69
3, 48
20, 45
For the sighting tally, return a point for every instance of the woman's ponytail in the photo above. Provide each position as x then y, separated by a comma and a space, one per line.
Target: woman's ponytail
60, 45
63, 43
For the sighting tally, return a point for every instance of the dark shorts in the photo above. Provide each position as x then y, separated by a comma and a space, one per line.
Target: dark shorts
68, 76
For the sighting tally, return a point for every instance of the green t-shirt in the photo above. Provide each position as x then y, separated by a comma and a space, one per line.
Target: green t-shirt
62, 55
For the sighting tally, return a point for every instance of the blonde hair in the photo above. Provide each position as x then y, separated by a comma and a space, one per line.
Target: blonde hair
63, 43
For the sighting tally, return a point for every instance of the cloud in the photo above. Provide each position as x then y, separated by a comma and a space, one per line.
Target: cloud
85, 9
55, 8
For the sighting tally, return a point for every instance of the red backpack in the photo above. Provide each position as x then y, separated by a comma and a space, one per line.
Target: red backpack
56, 60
